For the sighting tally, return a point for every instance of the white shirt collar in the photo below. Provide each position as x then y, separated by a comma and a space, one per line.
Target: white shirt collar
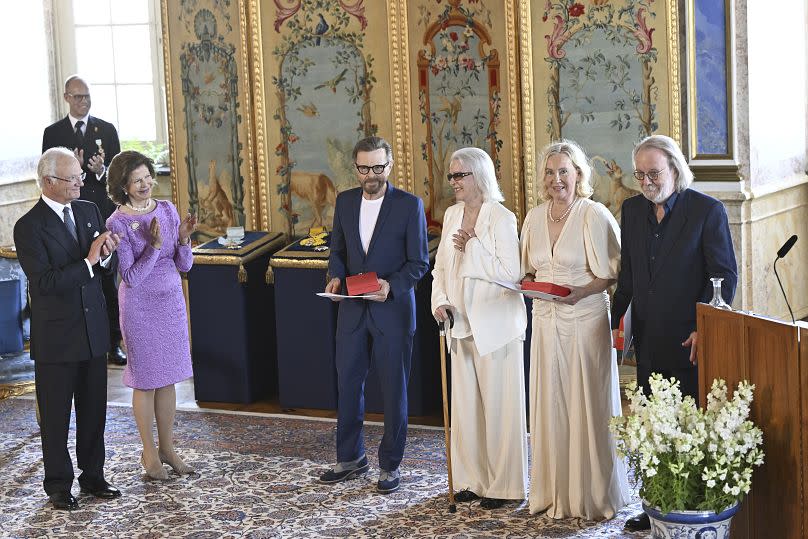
74, 120
58, 207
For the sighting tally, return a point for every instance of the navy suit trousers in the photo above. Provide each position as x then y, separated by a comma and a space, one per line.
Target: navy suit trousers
392, 355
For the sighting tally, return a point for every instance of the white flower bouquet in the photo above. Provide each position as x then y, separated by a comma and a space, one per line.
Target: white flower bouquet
685, 458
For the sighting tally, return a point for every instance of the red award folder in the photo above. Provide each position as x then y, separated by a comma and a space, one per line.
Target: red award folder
546, 288
363, 283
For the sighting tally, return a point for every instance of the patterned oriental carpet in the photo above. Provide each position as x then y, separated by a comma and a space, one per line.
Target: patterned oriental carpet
256, 478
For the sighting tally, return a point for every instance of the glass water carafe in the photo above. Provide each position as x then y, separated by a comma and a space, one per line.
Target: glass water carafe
718, 300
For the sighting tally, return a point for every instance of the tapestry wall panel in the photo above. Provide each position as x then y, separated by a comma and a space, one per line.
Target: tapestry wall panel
464, 92
209, 112
317, 77
604, 73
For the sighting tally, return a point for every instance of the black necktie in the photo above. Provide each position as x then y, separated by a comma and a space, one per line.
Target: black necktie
79, 134
70, 224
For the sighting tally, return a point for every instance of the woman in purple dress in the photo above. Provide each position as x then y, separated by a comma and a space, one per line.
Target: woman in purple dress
155, 247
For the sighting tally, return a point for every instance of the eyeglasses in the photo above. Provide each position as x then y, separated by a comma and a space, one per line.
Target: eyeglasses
141, 180
377, 169
72, 179
458, 175
80, 97
652, 175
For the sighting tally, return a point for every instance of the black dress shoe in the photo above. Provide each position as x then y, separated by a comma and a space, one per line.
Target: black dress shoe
465, 495
492, 503
638, 523
103, 490
64, 501
116, 356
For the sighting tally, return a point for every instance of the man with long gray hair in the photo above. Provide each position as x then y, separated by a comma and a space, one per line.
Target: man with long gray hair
674, 239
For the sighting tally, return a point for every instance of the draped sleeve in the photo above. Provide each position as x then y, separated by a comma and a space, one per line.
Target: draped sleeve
602, 242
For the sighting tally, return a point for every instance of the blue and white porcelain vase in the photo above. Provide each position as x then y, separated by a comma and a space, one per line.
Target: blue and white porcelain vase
690, 524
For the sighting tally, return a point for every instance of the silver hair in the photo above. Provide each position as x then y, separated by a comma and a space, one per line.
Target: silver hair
480, 165
676, 159
49, 161
570, 148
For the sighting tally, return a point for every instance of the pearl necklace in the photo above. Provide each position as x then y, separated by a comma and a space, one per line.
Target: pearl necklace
563, 215
143, 209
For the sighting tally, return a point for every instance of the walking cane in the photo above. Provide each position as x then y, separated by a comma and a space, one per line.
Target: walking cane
452, 505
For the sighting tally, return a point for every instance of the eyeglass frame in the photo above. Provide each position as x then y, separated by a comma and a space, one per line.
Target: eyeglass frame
454, 176
79, 97
652, 175
72, 179
377, 169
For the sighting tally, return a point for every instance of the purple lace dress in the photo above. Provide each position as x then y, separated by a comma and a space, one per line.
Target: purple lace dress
152, 306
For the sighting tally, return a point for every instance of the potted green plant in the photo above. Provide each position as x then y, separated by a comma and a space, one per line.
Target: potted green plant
693, 466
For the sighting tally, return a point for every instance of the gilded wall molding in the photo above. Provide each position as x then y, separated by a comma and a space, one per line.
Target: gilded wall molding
674, 72
513, 96
247, 112
400, 82
172, 141
263, 207
528, 135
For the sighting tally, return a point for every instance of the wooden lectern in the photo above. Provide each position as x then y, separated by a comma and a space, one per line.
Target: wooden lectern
769, 353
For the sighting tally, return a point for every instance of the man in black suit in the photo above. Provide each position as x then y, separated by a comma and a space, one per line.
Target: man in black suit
95, 143
63, 246
673, 240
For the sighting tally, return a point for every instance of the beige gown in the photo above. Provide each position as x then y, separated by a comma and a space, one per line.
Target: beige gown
575, 470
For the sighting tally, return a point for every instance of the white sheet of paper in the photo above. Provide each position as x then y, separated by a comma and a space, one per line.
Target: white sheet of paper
342, 296
528, 293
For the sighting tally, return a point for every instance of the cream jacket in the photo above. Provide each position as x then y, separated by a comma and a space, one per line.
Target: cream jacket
494, 314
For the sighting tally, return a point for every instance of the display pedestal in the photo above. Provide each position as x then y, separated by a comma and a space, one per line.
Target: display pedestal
233, 320
306, 329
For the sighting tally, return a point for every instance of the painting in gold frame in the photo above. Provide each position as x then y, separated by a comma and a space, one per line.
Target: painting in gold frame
605, 73
209, 113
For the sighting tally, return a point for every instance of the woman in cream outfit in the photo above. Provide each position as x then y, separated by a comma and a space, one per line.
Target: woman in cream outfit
572, 241
480, 245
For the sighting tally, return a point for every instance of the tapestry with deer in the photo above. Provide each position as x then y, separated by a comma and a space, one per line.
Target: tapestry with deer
603, 75
321, 97
211, 174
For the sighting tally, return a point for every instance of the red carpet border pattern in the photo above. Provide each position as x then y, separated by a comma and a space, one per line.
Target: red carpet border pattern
256, 478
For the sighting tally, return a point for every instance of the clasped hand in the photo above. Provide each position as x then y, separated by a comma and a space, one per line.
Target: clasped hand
103, 246
95, 163
461, 238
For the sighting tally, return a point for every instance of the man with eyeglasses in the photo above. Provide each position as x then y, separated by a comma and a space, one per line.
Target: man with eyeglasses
94, 143
673, 240
381, 229
63, 247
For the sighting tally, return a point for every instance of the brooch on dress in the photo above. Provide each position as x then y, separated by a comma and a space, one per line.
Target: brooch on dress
135, 225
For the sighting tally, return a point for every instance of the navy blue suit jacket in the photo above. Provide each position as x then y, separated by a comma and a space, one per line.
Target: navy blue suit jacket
61, 134
68, 311
398, 253
697, 245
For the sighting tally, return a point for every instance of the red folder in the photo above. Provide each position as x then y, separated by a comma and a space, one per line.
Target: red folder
547, 288
363, 283
619, 342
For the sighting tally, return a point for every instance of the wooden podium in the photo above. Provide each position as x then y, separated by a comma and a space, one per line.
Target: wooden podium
769, 353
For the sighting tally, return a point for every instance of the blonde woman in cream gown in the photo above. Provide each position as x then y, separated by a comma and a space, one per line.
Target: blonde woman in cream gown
573, 241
